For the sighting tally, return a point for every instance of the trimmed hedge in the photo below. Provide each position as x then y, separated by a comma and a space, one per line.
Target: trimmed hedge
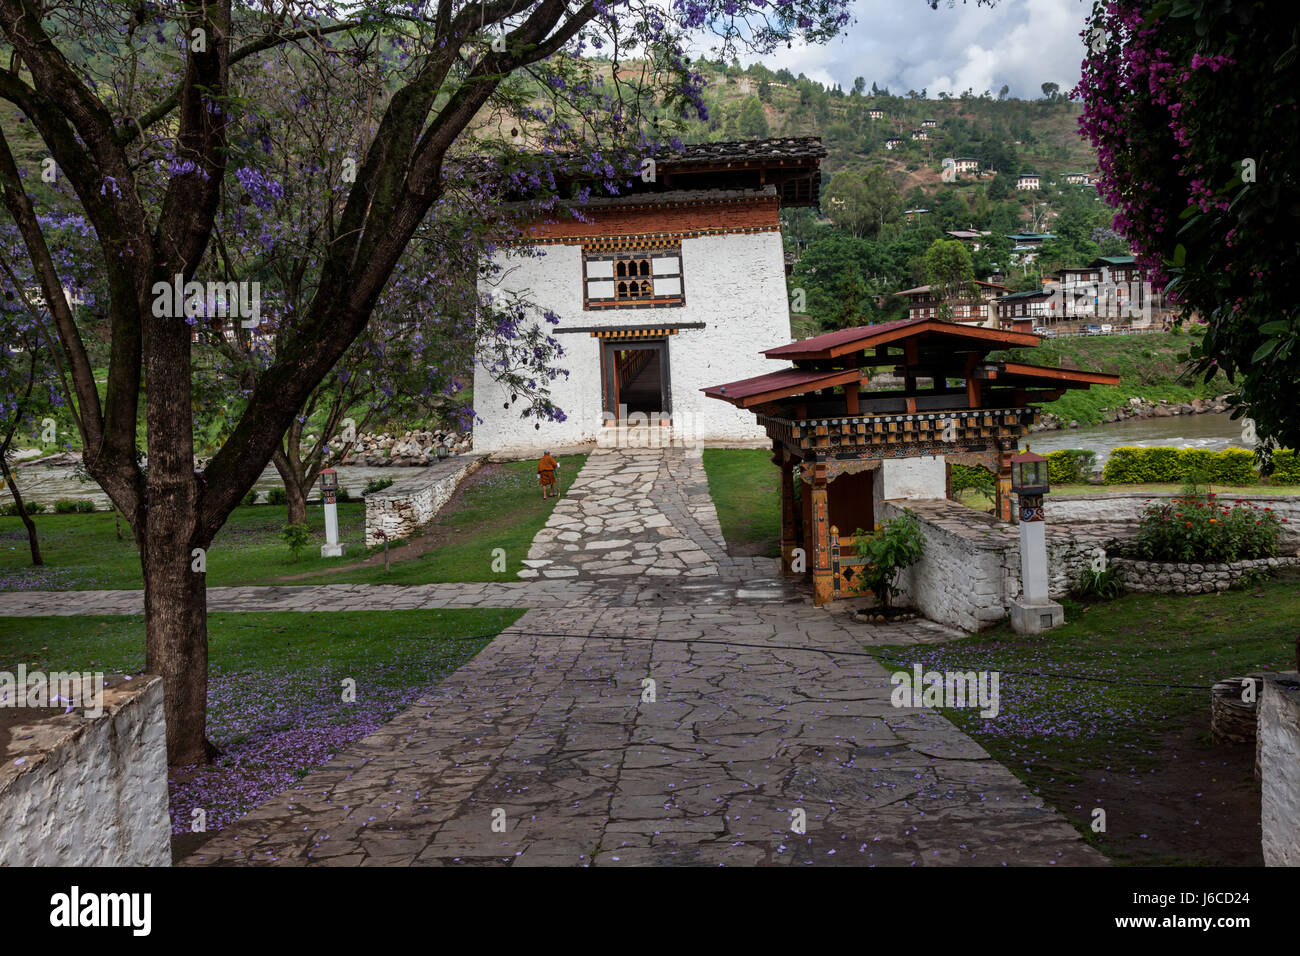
1135, 466
1286, 468
1069, 466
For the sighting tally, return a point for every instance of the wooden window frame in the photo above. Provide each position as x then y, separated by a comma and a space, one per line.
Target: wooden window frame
648, 254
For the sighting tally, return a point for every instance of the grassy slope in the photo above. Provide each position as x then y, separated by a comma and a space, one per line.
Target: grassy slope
500, 508
1054, 730
1149, 366
746, 488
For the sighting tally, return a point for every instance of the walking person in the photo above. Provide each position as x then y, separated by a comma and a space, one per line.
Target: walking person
546, 471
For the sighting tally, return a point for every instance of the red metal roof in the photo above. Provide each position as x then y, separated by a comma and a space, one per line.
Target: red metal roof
786, 381
845, 341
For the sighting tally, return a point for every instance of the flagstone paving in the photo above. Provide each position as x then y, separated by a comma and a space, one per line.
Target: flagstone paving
760, 715
633, 513
767, 717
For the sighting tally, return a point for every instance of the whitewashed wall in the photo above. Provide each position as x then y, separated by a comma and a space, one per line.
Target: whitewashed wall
78, 791
1279, 738
735, 285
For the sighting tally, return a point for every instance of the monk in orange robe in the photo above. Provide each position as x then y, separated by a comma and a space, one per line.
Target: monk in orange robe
546, 469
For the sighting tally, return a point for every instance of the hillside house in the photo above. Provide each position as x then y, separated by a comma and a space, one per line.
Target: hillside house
1025, 311
653, 291
928, 124
910, 214
972, 309
876, 114
973, 236
966, 164
893, 142
1027, 181
1078, 179
920, 134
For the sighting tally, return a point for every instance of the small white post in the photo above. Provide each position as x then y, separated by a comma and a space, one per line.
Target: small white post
329, 483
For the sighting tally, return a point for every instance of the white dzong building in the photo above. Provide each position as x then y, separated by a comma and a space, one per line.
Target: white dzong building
662, 291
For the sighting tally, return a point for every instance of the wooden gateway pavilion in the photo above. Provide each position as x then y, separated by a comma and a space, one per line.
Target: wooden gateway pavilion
843, 445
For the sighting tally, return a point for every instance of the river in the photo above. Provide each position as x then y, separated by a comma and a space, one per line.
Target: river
1212, 431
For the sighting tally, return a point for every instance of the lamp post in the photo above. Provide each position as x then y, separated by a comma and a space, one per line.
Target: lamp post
1035, 611
442, 450
329, 490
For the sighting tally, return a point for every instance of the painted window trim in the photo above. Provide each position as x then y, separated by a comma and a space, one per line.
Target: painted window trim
607, 254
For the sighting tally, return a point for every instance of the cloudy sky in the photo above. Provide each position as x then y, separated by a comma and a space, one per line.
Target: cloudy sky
903, 44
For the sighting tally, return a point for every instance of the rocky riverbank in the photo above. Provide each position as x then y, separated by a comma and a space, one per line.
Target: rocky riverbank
1139, 408
411, 449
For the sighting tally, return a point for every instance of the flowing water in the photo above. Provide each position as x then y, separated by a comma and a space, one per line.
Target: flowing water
1212, 431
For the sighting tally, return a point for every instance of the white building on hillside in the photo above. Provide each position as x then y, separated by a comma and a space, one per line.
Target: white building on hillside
660, 293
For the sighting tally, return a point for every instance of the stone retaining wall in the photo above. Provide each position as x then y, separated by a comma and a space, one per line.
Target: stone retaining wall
400, 509
89, 791
1129, 507
970, 572
1164, 577
1279, 740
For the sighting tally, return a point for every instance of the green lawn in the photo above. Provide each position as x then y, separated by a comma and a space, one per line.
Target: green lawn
746, 490
501, 508
1113, 709
276, 703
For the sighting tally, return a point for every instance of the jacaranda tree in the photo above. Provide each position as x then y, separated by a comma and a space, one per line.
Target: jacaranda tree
138, 105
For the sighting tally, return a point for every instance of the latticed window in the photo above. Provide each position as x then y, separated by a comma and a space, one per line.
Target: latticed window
636, 279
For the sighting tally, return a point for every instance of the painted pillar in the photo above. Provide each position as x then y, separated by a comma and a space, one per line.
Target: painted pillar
1033, 550
1004, 484
789, 540
329, 491
823, 583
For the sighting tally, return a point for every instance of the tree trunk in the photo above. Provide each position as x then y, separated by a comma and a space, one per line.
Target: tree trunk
23, 516
294, 491
176, 633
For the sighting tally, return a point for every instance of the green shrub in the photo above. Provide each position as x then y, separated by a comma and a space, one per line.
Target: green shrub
376, 484
1105, 585
1286, 468
344, 495
1135, 466
297, 537
33, 508
65, 506
277, 496
250, 498
1234, 466
973, 478
897, 545
1069, 466
85, 506
1195, 527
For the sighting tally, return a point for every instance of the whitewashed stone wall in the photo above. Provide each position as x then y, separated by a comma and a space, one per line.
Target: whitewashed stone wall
1279, 740
400, 509
1130, 507
734, 284
1188, 578
910, 478
79, 791
970, 572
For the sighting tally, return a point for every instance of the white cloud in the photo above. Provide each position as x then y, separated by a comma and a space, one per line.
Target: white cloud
904, 45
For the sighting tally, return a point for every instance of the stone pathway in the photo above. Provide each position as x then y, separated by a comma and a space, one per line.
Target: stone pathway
634, 513
760, 715
549, 749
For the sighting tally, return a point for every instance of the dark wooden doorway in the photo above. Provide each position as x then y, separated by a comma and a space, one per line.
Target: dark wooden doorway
635, 376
